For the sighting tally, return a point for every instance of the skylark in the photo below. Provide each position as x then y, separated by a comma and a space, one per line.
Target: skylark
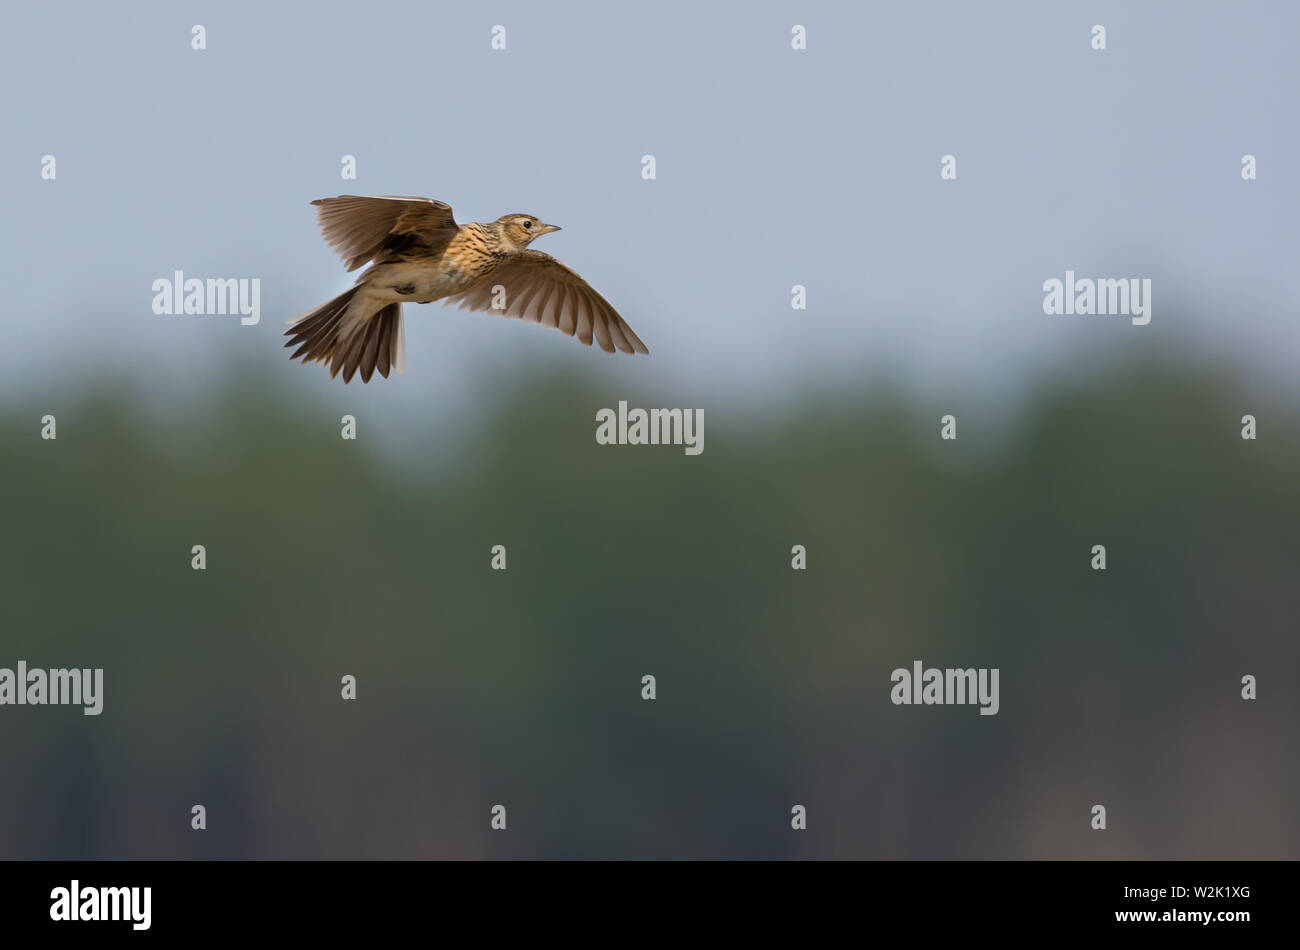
420, 254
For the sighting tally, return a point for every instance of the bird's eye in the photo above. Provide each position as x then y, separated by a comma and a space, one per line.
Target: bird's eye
528, 225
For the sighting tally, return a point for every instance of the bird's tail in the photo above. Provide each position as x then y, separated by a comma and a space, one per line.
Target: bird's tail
348, 335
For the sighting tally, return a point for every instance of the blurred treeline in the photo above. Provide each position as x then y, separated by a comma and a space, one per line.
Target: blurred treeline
523, 688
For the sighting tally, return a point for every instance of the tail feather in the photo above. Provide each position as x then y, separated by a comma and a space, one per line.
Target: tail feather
390, 353
314, 333
346, 340
370, 355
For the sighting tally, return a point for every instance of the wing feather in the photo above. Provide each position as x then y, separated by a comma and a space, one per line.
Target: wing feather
360, 227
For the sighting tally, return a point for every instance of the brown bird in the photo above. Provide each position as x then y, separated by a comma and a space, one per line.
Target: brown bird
420, 254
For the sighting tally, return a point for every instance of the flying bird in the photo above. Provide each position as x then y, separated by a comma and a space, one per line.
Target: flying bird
420, 254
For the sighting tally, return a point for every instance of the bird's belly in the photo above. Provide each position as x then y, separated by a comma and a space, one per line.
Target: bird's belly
422, 281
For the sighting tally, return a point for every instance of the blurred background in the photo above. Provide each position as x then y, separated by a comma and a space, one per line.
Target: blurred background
775, 167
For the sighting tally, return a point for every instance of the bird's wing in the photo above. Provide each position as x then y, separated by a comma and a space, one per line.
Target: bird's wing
540, 289
358, 227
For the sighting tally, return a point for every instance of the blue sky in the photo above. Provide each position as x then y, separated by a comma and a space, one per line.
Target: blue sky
775, 167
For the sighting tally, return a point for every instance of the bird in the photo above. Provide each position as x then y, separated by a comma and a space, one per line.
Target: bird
418, 254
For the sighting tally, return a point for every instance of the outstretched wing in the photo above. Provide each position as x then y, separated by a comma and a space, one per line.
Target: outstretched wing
540, 289
361, 228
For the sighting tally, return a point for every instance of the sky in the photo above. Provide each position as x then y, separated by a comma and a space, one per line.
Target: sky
774, 167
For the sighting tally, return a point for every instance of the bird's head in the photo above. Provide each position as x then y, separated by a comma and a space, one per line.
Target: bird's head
519, 230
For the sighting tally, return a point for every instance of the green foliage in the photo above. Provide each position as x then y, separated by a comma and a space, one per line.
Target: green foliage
523, 687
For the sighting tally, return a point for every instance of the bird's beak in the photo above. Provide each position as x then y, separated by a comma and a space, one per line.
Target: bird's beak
547, 229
